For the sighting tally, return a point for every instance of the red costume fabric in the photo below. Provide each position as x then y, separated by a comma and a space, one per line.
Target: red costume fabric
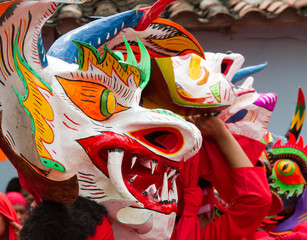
8, 211
16, 198
246, 187
291, 236
215, 169
252, 202
190, 198
103, 231
299, 232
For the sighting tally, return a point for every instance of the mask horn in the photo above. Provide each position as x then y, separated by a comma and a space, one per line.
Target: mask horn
298, 117
247, 71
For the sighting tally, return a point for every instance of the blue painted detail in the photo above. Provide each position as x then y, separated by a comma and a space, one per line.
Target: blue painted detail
95, 33
41, 51
237, 116
247, 71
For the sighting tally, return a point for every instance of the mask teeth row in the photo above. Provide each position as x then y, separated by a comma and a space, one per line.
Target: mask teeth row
164, 195
153, 165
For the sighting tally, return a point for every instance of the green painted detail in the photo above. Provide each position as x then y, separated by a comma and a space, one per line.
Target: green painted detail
166, 112
144, 66
104, 103
17, 55
301, 109
281, 187
263, 141
52, 164
166, 67
21, 99
130, 55
119, 55
294, 151
217, 213
269, 217
215, 89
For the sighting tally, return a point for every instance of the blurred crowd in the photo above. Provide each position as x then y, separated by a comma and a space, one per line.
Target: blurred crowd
15, 206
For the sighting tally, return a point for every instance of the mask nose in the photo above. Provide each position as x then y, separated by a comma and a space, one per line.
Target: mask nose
166, 140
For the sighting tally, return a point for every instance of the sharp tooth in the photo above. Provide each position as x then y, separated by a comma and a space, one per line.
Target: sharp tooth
153, 189
148, 189
152, 194
115, 160
172, 172
133, 160
164, 192
156, 195
174, 190
153, 165
171, 196
132, 179
175, 176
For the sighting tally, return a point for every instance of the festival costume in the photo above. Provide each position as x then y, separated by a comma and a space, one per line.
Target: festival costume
247, 186
252, 203
8, 211
73, 126
82, 130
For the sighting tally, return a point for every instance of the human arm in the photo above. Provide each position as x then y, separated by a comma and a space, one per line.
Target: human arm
213, 128
249, 188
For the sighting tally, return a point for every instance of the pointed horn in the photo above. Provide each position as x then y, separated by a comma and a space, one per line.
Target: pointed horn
152, 13
130, 55
95, 33
245, 72
298, 117
144, 64
43, 188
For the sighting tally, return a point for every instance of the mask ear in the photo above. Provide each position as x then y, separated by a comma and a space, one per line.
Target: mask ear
34, 180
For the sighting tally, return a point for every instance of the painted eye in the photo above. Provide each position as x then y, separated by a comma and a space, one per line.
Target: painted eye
93, 99
286, 167
196, 71
288, 172
237, 116
108, 103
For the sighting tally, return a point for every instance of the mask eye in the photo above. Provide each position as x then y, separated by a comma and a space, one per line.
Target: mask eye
196, 71
108, 103
93, 99
286, 168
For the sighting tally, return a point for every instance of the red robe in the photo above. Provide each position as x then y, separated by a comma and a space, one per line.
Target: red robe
246, 187
103, 231
8, 211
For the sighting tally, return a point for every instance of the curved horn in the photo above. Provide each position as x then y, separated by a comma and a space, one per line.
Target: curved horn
95, 33
298, 117
152, 13
42, 187
245, 72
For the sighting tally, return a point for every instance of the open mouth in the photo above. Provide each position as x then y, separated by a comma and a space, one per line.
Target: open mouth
140, 172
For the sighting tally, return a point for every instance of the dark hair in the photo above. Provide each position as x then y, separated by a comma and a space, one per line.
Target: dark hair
13, 185
54, 221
